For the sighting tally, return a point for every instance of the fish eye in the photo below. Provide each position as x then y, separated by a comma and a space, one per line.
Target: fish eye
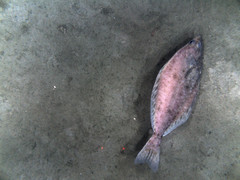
192, 41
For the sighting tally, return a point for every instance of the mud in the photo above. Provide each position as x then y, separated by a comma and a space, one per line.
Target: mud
76, 80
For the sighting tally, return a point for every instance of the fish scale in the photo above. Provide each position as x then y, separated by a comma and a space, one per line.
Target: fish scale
173, 96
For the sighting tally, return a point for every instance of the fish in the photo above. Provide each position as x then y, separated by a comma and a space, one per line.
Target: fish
173, 97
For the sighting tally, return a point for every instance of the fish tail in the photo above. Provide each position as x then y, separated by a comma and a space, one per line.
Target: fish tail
150, 153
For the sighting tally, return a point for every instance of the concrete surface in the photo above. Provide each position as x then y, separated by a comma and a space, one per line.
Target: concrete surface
76, 79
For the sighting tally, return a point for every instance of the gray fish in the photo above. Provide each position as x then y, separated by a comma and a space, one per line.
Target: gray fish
172, 99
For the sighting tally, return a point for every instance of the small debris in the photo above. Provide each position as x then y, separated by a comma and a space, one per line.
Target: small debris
62, 28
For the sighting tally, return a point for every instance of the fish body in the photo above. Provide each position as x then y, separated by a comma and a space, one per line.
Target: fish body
173, 95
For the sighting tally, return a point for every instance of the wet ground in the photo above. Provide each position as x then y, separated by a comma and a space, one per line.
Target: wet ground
75, 84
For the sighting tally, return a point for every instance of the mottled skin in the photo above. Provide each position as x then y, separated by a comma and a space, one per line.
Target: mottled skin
173, 95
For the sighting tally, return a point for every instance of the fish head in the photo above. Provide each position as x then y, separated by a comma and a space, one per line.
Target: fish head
195, 46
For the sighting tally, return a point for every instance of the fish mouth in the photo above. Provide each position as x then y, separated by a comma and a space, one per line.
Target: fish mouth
198, 42
198, 38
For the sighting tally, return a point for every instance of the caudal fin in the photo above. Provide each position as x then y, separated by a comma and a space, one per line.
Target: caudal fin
150, 153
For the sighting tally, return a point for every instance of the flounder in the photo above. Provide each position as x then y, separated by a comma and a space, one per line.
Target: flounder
173, 95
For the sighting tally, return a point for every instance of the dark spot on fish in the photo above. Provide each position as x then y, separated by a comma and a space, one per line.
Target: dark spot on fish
171, 112
209, 132
175, 76
168, 123
187, 87
174, 117
170, 68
